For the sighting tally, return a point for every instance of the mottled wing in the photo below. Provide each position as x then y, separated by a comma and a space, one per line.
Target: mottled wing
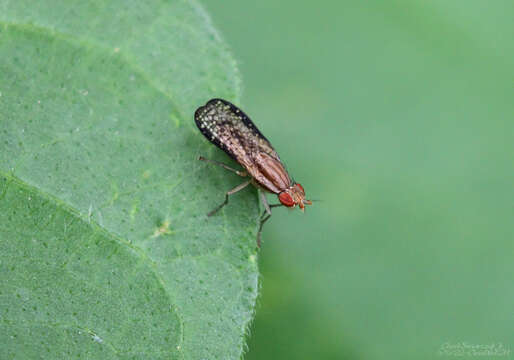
226, 126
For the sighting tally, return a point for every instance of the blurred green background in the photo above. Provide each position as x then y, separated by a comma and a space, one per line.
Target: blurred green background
399, 116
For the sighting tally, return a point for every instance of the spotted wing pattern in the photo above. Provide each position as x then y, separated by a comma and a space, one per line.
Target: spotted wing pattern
226, 126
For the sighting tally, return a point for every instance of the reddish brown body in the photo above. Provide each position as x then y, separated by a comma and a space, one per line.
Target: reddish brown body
226, 126
270, 175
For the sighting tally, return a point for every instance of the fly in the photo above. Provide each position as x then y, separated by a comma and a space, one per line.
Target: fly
228, 127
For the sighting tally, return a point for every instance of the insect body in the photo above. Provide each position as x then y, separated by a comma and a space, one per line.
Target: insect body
226, 126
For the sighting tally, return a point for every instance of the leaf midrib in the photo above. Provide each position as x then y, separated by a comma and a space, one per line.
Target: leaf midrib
97, 229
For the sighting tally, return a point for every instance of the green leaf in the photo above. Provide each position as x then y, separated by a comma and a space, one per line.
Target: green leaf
105, 248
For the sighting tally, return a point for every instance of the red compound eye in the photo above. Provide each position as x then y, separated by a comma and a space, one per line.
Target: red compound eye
301, 187
286, 199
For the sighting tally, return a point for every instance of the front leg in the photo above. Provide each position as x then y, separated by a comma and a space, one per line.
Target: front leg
265, 215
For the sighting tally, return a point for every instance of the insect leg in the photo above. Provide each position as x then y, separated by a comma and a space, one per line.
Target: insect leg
266, 214
240, 173
265, 202
230, 192
263, 220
